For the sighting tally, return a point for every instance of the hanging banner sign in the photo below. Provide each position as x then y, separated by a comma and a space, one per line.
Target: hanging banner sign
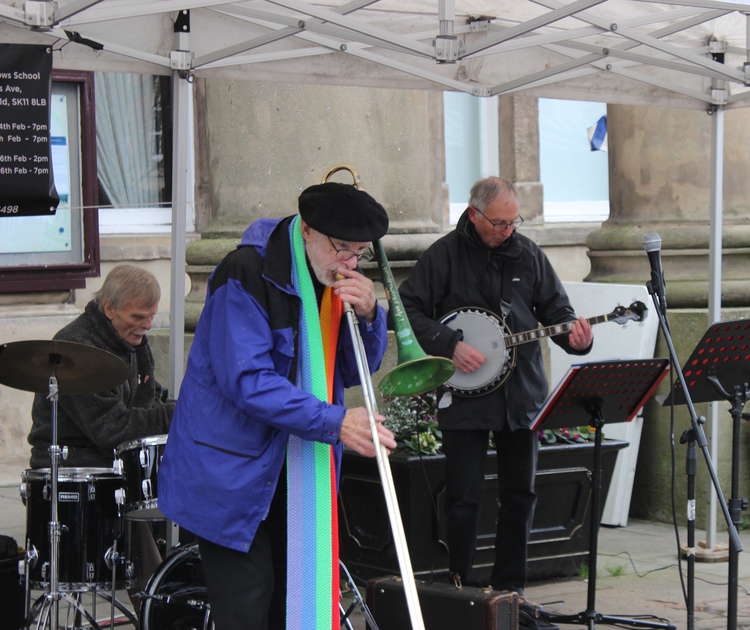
27, 185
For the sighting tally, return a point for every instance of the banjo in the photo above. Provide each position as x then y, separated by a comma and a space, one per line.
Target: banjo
484, 330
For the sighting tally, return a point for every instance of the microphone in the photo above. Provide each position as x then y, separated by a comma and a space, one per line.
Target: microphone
652, 245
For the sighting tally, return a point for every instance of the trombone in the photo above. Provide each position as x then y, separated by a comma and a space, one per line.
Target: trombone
415, 373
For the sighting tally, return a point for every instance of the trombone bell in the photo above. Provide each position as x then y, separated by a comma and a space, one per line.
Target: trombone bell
416, 372
416, 377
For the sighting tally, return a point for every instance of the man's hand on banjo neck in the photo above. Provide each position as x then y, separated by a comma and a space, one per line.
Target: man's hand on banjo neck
468, 359
580, 336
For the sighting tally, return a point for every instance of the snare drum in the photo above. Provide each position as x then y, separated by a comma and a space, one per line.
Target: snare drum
139, 461
90, 519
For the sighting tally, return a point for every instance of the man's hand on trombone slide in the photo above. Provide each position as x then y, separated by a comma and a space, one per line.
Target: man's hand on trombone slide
355, 432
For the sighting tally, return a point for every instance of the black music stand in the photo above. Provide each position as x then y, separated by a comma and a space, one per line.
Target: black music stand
719, 369
603, 392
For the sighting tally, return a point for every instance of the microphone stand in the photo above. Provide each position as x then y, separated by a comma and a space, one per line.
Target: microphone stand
690, 437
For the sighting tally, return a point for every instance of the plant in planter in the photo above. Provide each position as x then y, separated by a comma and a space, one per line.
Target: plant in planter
559, 536
413, 421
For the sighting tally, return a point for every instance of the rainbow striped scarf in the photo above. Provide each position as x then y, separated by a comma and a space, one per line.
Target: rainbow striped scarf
312, 593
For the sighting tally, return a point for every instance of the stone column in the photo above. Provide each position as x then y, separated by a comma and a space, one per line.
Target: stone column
519, 151
659, 178
659, 181
263, 143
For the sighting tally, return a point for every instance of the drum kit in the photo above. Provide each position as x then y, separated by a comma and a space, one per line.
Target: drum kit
80, 521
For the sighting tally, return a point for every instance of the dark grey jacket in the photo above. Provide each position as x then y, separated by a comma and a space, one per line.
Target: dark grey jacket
459, 270
91, 425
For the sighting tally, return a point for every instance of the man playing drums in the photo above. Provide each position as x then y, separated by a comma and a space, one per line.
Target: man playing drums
91, 425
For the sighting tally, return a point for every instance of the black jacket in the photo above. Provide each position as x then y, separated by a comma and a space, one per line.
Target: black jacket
91, 425
459, 270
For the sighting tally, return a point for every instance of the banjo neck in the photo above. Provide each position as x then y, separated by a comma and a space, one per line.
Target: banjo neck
516, 339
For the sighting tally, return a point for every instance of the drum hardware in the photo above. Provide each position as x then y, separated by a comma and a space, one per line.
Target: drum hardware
175, 595
146, 489
48, 367
490, 334
138, 461
32, 555
357, 603
415, 373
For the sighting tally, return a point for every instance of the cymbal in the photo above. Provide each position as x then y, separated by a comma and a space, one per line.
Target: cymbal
80, 369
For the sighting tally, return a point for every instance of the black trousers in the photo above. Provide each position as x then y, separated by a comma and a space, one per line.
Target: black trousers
247, 590
516, 468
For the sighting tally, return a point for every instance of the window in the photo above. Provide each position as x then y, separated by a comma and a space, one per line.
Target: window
471, 145
575, 178
134, 152
57, 252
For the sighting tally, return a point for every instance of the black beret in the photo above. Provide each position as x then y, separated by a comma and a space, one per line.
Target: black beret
343, 211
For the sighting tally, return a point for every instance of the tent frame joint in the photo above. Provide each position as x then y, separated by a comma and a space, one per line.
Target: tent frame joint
181, 60
39, 14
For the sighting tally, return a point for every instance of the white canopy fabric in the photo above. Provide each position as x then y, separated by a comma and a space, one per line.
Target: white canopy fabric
624, 51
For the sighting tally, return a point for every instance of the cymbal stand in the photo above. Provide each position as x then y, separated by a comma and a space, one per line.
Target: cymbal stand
357, 603
44, 606
54, 525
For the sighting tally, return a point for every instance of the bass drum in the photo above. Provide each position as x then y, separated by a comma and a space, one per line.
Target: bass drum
176, 597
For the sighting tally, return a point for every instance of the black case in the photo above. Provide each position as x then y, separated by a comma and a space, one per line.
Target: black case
444, 607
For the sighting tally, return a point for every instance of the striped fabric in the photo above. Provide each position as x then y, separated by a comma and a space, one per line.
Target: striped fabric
312, 595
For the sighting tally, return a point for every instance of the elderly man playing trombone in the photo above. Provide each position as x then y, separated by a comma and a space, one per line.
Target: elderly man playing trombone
253, 451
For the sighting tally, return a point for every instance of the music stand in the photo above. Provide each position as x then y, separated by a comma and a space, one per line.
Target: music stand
606, 392
719, 369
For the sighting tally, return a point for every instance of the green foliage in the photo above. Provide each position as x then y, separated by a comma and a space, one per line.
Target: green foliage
412, 420
567, 435
616, 571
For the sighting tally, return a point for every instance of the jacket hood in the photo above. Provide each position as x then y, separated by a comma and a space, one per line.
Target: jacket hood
257, 234
510, 249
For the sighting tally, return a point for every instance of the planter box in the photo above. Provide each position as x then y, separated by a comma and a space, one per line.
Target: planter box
559, 537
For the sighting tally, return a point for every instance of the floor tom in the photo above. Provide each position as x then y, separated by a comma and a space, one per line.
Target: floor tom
90, 518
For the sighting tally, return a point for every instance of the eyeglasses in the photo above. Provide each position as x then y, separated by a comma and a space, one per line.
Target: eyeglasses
503, 225
343, 254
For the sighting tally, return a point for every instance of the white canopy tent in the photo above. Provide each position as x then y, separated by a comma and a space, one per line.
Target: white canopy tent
673, 53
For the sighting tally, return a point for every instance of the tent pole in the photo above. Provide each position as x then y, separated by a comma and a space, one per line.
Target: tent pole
181, 92
714, 293
181, 151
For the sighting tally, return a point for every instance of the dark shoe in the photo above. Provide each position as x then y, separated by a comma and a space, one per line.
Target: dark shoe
533, 617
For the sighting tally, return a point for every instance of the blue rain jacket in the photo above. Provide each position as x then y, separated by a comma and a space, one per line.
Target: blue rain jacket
238, 402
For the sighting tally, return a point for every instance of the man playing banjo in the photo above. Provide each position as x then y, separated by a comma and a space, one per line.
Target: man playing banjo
484, 262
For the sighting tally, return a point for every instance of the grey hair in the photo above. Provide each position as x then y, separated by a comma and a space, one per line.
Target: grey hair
126, 284
486, 190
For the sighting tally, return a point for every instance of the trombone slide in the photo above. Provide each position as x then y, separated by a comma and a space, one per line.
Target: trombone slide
386, 478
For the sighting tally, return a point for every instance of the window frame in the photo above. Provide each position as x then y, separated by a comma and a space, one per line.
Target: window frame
71, 276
